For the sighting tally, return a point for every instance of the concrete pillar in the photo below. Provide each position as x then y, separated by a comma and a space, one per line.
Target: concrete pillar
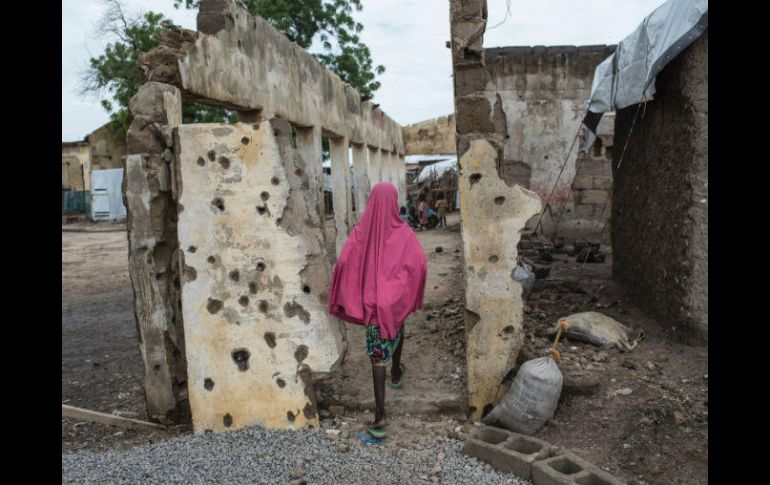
310, 148
339, 153
492, 213
361, 177
374, 166
149, 194
255, 278
386, 166
402, 181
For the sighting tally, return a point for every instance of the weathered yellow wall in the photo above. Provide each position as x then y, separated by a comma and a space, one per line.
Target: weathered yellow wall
493, 215
108, 148
431, 137
255, 278
71, 176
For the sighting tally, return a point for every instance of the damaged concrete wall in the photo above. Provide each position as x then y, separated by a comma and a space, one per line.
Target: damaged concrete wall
543, 93
494, 210
242, 62
74, 155
435, 136
152, 245
251, 223
107, 147
255, 278
660, 199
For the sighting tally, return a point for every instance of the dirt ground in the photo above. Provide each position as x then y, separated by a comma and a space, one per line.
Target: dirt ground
657, 434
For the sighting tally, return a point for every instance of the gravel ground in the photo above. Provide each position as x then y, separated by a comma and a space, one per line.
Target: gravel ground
256, 455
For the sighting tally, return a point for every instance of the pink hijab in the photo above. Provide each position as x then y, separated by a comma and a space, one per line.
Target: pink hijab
380, 275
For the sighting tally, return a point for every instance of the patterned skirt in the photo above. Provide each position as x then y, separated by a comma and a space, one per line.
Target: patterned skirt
380, 351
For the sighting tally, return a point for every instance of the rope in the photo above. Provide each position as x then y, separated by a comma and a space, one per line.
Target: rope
553, 190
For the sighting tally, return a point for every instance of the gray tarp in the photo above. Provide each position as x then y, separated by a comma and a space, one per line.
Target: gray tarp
627, 77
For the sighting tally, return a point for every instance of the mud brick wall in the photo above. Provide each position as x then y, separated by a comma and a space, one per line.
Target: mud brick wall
660, 200
435, 136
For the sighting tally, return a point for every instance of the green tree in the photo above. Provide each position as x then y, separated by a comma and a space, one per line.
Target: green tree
116, 72
332, 21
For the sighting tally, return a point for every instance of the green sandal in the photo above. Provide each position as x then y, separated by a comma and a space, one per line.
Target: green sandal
376, 431
396, 385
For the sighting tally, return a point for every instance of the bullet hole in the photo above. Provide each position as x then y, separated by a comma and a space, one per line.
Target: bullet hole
261, 210
290, 416
293, 308
245, 139
270, 339
263, 306
278, 221
239, 44
255, 125
219, 204
192, 249
208, 384
212, 155
241, 358
176, 283
244, 300
235, 275
201, 161
499, 200
276, 133
211, 259
227, 420
252, 288
494, 258
306, 289
474, 178
281, 383
508, 330
308, 411
158, 276
225, 162
487, 409
214, 305
275, 181
260, 266
156, 367
298, 172
264, 195
301, 353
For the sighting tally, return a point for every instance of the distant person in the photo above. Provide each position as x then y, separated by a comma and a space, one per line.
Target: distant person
403, 215
422, 212
441, 209
379, 279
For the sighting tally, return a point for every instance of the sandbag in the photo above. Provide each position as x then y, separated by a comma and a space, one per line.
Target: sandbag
523, 274
598, 329
531, 399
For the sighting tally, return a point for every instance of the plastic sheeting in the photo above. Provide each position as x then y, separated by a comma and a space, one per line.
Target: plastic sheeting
436, 169
106, 195
627, 77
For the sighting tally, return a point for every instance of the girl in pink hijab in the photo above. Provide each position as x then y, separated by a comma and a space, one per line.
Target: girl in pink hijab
379, 279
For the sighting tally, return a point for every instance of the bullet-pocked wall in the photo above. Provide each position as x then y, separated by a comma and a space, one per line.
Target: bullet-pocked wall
226, 221
660, 200
541, 94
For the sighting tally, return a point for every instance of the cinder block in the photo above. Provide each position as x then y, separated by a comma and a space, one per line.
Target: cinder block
566, 468
582, 182
507, 451
602, 182
593, 196
590, 167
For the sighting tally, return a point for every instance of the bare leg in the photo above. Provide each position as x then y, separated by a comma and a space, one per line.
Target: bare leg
378, 375
395, 370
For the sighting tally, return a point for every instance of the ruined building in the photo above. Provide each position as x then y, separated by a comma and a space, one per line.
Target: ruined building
227, 252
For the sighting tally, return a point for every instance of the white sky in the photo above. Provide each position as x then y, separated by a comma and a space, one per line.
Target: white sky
407, 36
